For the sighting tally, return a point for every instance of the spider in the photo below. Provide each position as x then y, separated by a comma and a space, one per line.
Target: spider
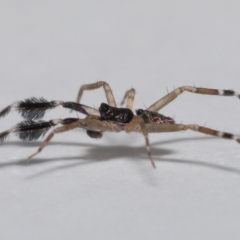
108, 118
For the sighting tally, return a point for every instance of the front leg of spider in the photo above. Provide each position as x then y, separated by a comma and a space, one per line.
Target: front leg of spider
91, 123
35, 108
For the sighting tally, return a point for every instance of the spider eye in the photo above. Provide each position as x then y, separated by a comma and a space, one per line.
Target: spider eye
139, 112
104, 107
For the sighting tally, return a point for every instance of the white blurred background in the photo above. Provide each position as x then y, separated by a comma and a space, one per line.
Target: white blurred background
81, 188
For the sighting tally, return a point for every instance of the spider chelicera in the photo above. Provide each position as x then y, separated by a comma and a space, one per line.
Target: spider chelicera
108, 118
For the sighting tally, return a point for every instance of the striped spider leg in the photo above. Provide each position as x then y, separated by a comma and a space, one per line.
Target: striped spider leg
162, 102
33, 108
155, 107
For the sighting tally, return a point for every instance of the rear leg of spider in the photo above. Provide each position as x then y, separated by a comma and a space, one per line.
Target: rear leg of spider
175, 93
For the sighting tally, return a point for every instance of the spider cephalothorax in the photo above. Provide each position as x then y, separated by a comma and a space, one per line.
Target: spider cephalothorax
114, 114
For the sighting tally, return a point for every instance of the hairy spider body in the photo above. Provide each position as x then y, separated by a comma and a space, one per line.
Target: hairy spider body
108, 118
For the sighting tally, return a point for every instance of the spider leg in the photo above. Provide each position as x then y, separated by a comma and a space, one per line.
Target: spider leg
29, 130
35, 108
172, 95
212, 132
50, 136
156, 128
109, 95
129, 95
90, 123
81, 108
138, 123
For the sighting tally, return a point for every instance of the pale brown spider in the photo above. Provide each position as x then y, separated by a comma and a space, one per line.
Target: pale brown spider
108, 118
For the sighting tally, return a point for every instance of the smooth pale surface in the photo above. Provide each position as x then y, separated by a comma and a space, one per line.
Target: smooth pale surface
81, 188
